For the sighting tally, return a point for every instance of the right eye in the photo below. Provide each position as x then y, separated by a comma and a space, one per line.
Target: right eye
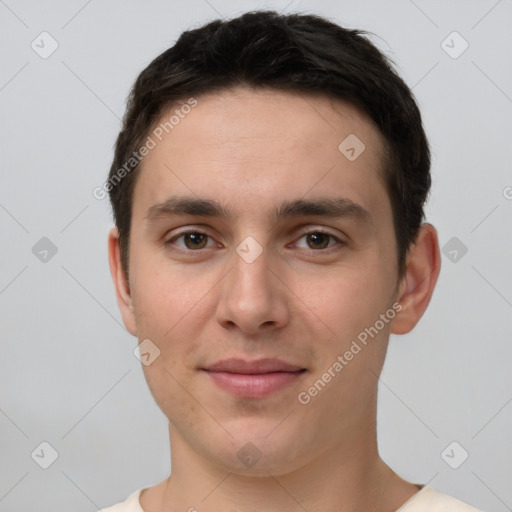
191, 241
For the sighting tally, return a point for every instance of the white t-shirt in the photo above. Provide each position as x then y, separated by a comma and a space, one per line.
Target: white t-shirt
427, 499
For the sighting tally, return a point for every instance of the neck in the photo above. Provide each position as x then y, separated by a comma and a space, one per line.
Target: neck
344, 477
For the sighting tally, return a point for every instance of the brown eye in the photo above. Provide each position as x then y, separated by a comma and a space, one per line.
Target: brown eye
190, 241
195, 240
318, 240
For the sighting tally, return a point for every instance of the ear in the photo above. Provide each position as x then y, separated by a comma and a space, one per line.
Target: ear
417, 286
121, 284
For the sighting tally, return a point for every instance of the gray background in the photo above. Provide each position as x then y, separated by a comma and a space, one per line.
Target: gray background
68, 375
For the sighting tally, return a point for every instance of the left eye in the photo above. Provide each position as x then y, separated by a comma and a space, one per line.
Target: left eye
319, 240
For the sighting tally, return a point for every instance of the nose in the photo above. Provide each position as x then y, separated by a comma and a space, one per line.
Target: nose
252, 298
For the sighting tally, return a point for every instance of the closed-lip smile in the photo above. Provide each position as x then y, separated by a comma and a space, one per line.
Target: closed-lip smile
253, 379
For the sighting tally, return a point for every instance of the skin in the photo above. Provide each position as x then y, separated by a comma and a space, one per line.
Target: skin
298, 301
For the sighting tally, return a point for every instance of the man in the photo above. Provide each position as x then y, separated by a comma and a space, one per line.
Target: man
268, 189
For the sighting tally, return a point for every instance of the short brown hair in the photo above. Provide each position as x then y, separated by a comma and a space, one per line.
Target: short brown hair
300, 53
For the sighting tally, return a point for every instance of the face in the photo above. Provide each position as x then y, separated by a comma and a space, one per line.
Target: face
293, 259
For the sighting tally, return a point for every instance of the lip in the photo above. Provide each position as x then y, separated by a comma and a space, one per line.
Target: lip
266, 365
253, 379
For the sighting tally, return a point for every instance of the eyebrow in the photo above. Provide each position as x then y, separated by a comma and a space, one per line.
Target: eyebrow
332, 207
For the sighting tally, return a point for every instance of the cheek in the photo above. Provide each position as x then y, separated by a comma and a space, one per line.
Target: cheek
350, 299
172, 305
166, 311
350, 306
163, 297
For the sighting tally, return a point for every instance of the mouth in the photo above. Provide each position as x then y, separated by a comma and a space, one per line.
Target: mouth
253, 379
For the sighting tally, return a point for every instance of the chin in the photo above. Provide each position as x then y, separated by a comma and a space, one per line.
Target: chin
259, 454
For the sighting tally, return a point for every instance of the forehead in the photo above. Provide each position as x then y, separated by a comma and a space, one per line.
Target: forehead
258, 115
246, 147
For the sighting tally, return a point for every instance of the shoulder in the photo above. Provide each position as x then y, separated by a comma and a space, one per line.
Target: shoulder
430, 500
131, 504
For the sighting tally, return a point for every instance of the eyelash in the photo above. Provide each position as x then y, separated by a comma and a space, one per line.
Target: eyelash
171, 241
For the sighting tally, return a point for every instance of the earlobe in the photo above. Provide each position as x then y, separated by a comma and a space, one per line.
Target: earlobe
417, 286
121, 284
